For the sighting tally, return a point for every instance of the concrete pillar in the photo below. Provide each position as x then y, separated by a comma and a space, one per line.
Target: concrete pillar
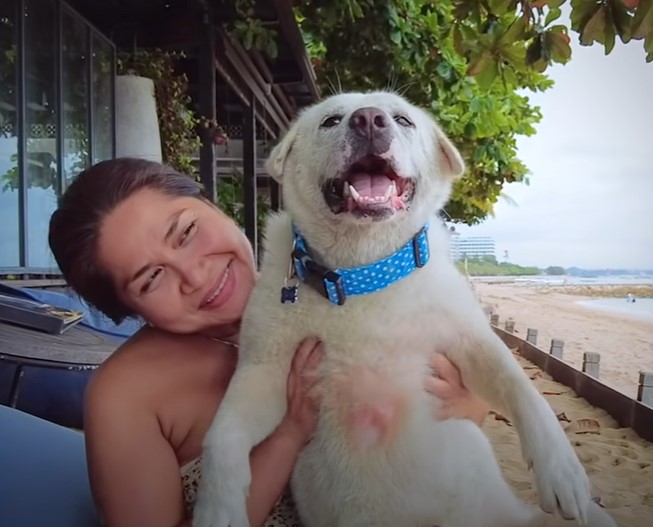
137, 126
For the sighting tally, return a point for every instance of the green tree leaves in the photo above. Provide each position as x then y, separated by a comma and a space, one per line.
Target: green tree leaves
468, 61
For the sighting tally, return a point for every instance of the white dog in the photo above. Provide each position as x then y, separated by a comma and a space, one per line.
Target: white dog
363, 176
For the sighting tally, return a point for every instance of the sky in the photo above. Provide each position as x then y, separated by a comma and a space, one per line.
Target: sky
590, 199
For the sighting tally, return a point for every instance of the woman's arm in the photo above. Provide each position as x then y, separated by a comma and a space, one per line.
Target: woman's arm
133, 469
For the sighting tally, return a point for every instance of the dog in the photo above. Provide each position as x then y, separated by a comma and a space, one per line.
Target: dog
360, 260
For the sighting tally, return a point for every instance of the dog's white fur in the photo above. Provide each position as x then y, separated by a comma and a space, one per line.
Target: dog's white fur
379, 457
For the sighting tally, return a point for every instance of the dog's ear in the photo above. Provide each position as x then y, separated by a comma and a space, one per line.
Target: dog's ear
450, 162
277, 158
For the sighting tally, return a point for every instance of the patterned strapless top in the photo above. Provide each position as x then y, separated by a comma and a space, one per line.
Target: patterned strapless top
283, 514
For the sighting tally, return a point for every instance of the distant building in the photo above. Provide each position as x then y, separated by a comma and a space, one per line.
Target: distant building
471, 246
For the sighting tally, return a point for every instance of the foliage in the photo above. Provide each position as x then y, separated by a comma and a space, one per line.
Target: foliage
555, 270
466, 61
490, 267
251, 31
177, 123
231, 197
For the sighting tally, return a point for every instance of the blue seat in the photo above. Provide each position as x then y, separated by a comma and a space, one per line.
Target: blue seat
43, 474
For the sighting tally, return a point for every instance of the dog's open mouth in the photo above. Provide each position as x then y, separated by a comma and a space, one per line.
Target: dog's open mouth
369, 188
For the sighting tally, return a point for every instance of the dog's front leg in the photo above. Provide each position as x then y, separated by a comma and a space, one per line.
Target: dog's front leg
253, 406
489, 369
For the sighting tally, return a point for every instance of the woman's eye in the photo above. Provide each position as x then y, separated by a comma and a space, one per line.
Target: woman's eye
187, 232
332, 121
402, 120
148, 283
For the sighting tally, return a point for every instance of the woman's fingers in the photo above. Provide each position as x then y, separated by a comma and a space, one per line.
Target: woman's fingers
438, 387
303, 354
445, 369
306, 359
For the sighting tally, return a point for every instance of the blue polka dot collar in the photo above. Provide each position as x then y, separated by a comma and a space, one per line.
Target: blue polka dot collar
338, 284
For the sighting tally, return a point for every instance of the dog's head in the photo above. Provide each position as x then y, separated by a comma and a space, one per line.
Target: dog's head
365, 157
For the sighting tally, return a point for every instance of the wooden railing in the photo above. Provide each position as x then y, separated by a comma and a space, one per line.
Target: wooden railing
628, 412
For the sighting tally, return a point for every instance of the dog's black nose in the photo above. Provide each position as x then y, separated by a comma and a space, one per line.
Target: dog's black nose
368, 122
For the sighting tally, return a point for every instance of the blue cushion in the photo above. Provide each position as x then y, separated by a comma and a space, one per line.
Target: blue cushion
43, 474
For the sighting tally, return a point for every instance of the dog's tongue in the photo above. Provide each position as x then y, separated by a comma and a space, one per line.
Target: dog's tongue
370, 185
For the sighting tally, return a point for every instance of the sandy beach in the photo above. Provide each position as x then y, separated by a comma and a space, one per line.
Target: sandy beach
618, 461
625, 343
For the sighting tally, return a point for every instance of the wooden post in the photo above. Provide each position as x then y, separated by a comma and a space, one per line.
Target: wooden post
207, 90
494, 320
645, 388
510, 326
531, 336
591, 362
557, 346
249, 174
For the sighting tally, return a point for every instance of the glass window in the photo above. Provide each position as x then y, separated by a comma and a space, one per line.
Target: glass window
103, 68
74, 78
40, 129
9, 233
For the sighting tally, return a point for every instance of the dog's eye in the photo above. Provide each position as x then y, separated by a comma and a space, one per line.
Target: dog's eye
402, 120
332, 121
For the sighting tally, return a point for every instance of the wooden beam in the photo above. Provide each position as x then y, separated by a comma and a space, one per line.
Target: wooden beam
240, 86
298, 49
262, 92
288, 107
207, 103
275, 194
249, 175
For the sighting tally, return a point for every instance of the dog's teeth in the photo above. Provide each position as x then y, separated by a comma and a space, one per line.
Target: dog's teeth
346, 193
354, 193
393, 189
388, 192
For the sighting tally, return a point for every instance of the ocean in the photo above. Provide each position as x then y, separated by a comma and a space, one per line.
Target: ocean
642, 308
569, 280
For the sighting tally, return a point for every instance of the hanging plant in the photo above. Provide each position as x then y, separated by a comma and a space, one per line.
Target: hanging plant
178, 125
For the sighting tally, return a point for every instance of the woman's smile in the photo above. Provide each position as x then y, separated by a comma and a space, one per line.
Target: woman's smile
221, 290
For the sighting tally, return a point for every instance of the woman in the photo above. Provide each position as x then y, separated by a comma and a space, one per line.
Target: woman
133, 237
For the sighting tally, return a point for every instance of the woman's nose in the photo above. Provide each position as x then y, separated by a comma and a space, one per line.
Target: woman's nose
194, 275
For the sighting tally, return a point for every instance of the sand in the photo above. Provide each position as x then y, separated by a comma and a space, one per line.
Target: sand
618, 461
625, 344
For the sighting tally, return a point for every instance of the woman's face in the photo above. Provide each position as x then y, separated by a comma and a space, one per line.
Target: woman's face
180, 263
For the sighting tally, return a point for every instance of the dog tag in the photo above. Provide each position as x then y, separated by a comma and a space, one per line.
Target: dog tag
289, 294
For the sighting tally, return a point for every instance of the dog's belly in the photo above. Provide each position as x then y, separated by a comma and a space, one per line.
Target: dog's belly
381, 458
378, 447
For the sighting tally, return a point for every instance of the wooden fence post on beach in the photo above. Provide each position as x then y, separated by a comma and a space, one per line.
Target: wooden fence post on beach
645, 388
591, 362
510, 326
494, 320
531, 336
556, 348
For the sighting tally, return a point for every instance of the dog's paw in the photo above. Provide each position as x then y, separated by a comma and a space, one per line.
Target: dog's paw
222, 493
561, 480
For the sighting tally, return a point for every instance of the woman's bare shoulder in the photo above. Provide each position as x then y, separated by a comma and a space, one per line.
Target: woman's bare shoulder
151, 359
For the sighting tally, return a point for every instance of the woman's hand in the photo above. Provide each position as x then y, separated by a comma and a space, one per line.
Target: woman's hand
301, 416
457, 401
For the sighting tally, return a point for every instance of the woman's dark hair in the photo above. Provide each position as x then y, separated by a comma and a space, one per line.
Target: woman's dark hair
75, 225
